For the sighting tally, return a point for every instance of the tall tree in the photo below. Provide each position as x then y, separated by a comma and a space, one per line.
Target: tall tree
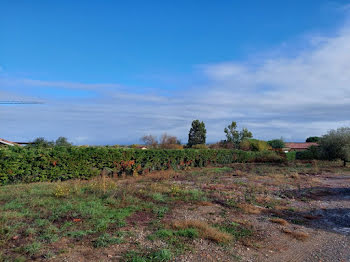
234, 136
197, 134
62, 141
150, 140
42, 142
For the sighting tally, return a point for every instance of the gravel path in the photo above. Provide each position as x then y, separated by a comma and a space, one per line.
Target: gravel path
331, 241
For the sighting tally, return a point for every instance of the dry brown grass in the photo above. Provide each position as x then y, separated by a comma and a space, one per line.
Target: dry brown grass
205, 230
280, 221
295, 175
240, 173
205, 203
296, 234
250, 209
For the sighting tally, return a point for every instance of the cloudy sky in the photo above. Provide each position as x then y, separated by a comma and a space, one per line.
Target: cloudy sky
108, 73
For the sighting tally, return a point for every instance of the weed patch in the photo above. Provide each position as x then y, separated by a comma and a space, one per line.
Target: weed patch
205, 230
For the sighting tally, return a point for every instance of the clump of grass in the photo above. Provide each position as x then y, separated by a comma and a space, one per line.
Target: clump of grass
295, 175
79, 234
151, 256
159, 197
106, 240
160, 211
239, 173
168, 233
163, 233
204, 230
219, 170
280, 221
32, 249
188, 232
296, 234
237, 230
249, 209
61, 190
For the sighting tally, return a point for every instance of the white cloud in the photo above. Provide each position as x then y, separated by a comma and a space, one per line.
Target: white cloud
280, 95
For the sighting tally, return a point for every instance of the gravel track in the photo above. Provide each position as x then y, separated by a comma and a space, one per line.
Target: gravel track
331, 241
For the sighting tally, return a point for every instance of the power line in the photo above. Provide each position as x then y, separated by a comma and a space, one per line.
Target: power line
20, 102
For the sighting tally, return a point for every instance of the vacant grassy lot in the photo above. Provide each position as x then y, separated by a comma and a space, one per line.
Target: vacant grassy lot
221, 213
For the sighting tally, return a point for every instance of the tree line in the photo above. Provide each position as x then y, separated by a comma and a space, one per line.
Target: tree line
331, 146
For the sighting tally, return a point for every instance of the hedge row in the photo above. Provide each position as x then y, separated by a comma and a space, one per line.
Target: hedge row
20, 164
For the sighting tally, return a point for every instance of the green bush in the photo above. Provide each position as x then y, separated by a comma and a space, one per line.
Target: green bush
291, 156
21, 164
312, 153
200, 146
249, 144
276, 143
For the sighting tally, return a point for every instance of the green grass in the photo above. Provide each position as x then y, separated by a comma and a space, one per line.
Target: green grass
32, 249
160, 211
159, 197
151, 256
219, 170
236, 230
33, 212
79, 234
169, 233
106, 240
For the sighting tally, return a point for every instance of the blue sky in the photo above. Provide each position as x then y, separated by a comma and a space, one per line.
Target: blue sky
109, 72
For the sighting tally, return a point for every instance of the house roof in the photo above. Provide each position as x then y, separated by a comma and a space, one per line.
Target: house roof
6, 142
305, 145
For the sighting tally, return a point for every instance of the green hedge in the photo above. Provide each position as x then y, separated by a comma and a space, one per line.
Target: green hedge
312, 153
21, 164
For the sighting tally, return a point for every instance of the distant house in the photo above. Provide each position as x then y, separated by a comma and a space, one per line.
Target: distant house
298, 146
4, 142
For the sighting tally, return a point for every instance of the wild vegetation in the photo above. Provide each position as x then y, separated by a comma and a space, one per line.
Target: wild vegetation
158, 217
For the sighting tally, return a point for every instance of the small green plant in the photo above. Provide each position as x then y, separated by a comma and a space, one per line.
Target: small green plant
188, 232
237, 231
32, 248
160, 211
151, 256
61, 191
80, 234
106, 240
159, 197
164, 233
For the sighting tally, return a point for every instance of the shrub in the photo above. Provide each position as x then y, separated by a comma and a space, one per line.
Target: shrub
291, 156
276, 143
253, 145
336, 145
223, 144
200, 146
312, 153
28, 164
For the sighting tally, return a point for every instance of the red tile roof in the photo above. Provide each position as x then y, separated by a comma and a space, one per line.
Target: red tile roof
6, 142
300, 145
